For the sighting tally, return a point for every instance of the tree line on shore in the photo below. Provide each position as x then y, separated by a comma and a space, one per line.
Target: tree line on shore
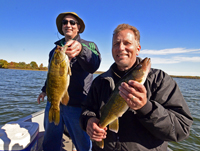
33, 66
21, 65
173, 76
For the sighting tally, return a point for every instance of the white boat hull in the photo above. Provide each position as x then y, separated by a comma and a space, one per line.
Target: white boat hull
38, 117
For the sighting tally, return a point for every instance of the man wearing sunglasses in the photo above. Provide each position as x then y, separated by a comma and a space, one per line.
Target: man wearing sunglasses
84, 61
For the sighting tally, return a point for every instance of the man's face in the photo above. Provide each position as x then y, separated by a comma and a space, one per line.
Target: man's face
68, 29
125, 48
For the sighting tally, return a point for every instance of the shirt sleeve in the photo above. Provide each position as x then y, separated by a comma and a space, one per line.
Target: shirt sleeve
169, 118
89, 57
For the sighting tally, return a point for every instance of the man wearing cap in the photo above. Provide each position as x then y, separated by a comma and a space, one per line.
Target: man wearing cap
84, 61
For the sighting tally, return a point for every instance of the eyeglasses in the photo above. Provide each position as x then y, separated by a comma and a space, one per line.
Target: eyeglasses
72, 22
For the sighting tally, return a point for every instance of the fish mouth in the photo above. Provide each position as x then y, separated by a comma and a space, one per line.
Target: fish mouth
147, 65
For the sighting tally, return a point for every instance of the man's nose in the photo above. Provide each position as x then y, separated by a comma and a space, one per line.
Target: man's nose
122, 46
68, 23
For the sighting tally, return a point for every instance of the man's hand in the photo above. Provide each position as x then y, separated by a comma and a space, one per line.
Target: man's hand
94, 131
134, 93
41, 96
74, 48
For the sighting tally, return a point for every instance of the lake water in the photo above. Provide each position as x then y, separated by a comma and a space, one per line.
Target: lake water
19, 90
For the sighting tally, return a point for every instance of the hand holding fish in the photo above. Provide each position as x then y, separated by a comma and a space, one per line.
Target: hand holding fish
41, 96
74, 48
94, 131
134, 93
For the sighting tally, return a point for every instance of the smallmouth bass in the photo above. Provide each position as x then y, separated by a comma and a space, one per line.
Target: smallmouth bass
58, 78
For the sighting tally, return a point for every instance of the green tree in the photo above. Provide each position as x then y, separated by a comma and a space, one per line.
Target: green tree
3, 63
22, 65
33, 65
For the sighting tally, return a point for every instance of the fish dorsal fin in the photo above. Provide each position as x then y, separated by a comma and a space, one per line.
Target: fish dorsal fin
114, 126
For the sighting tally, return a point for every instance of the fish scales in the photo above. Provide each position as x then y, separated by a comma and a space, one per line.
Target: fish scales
116, 110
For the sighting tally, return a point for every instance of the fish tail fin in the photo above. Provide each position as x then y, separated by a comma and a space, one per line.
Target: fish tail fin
50, 115
100, 144
54, 115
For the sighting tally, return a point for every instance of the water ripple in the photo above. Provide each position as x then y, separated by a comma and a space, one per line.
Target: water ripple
18, 93
19, 90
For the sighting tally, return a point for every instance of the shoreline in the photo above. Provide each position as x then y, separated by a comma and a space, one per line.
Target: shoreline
173, 76
24, 69
186, 77
100, 72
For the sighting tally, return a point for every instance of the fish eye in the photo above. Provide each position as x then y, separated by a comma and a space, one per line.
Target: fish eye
138, 67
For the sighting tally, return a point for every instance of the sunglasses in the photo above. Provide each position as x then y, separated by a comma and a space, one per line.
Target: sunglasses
72, 22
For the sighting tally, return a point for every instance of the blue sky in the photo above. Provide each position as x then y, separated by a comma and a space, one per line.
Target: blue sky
169, 29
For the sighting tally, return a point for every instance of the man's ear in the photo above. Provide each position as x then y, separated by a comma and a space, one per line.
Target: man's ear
79, 26
138, 49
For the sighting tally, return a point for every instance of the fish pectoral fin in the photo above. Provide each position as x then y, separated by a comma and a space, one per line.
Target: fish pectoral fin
65, 99
62, 71
114, 126
69, 71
